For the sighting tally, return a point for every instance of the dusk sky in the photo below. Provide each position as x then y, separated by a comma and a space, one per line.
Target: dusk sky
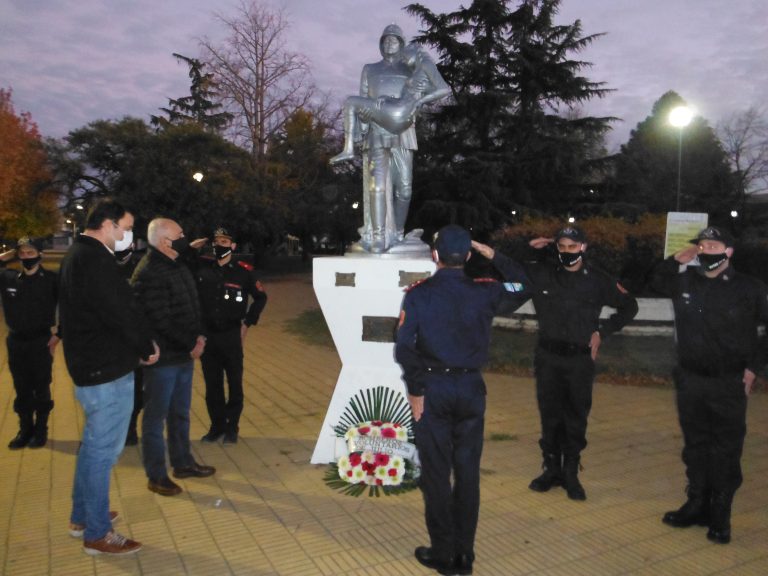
70, 62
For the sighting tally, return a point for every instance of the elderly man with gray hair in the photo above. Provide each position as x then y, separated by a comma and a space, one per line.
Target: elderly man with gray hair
165, 290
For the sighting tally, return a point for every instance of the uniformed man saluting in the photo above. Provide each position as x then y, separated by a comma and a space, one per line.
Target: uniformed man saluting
225, 284
717, 314
29, 303
442, 343
569, 296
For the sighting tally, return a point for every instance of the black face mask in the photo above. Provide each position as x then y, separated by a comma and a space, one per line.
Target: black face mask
222, 252
568, 259
711, 261
180, 245
123, 256
30, 263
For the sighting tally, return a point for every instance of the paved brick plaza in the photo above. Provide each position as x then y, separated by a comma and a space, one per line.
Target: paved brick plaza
267, 512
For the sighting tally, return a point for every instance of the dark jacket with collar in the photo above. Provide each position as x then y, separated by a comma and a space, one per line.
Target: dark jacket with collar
29, 301
716, 319
165, 291
103, 332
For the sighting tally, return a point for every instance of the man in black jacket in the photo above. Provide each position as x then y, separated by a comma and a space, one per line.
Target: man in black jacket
717, 315
166, 292
29, 303
104, 339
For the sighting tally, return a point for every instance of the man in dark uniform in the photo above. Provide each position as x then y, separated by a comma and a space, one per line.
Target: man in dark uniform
29, 303
225, 285
568, 296
717, 314
442, 342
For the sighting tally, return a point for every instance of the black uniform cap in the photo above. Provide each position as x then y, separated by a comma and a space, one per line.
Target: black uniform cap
714, 233
572, 233
222, 232
29, 241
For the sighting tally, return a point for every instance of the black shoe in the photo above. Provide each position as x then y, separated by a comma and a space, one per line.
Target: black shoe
552, 475
164, 487
573, 487
462, 565
212, 436
426, 557
719, 536
720, 518
694, 511
21, 440
194, 471
230, 438
39, 439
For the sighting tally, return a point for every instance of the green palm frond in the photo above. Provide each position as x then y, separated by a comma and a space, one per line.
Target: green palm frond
380, 403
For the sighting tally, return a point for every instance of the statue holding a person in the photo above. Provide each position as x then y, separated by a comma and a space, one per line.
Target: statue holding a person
382, 117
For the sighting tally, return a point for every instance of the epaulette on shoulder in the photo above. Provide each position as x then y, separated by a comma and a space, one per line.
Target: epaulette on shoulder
245, 265
417, 283
485, 280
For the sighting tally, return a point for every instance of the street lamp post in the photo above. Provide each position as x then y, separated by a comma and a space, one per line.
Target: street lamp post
680, 117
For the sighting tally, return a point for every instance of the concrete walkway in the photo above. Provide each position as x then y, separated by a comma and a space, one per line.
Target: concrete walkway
267, 512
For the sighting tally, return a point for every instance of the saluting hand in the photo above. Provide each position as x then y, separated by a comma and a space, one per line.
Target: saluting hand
198, 243
540, 242
687, 254
483, 250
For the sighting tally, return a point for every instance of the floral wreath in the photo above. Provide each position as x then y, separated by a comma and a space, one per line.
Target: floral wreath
375, 450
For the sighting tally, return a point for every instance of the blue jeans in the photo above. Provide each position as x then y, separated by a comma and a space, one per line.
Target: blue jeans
167, 396
107, 408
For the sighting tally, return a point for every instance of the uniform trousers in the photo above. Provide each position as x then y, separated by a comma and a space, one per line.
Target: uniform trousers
449, 437
223, 355
30, 363
564, 395
713, 413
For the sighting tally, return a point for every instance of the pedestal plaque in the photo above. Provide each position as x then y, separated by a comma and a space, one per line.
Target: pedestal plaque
360, 298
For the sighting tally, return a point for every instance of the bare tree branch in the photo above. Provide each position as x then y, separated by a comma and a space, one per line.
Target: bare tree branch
261, 82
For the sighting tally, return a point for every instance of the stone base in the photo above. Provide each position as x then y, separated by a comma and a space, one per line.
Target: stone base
360, 298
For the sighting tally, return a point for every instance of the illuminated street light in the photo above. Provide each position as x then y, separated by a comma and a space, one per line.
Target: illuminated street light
680, 117
198, 176
734, 213
571, 219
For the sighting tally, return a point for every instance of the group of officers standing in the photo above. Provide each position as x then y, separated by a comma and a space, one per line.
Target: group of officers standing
442, 343
131, 329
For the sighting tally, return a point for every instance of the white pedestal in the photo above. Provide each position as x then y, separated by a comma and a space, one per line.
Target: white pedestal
360, 298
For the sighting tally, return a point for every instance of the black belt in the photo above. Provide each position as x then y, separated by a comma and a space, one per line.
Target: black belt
450, 370
563, 348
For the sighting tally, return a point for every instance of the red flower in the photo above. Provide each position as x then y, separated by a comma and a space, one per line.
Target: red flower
355, 458
381, 459
364, 430
396, 425
388, 433
349, 473
377, 422
379, 481
391, 472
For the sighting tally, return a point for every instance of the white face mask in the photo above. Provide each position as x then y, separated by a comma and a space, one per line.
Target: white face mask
125, 243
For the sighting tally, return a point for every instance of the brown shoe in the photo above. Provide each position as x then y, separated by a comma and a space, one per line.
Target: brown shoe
77, 530
113, 543
164, 487
194, 471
